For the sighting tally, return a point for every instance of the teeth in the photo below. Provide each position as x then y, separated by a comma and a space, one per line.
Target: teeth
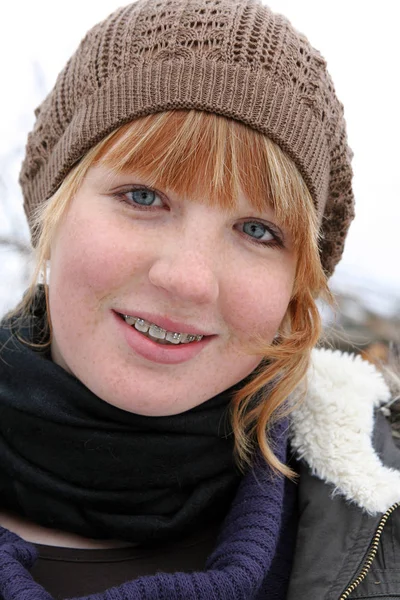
130, 320
159, 333
174, 338
142, 325
187, 337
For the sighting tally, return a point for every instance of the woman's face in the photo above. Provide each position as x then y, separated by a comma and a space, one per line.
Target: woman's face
126, 249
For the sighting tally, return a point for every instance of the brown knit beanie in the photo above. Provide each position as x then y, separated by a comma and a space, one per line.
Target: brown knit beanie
230, 57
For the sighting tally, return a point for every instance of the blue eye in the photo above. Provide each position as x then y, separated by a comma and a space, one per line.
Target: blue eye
142, 196
257, 230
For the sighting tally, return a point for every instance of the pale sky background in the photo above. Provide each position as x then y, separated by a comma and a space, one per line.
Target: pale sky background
358, 39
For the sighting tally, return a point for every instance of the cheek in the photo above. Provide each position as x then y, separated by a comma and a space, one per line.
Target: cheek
86, 269
258, 304
88, 261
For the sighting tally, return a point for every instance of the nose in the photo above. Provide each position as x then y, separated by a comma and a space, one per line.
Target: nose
186, 273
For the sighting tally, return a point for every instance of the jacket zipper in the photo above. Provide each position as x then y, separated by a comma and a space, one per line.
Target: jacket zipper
373, 549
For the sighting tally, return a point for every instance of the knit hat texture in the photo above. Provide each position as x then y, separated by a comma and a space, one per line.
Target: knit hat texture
234, 58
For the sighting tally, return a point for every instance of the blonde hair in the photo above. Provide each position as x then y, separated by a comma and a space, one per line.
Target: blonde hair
210, 158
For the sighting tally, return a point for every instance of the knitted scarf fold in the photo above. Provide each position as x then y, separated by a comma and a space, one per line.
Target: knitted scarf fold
236, 570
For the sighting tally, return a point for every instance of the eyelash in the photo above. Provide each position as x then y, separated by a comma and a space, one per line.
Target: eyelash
277, 242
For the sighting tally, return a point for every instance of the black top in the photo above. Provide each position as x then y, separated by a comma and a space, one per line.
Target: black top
68, 572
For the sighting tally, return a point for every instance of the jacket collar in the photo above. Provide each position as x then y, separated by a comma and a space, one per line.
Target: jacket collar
332, 429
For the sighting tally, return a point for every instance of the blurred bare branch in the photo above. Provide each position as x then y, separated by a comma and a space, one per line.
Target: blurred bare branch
15, 244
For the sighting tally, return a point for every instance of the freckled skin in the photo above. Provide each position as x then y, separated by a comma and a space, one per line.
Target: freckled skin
189, 263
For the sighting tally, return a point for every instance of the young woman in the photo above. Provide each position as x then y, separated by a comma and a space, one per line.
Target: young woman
166, 428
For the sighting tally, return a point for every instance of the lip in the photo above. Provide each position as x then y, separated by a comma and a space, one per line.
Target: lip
166, 323
154, 352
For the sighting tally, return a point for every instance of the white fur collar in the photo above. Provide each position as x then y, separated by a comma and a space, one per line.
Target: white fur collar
332, 429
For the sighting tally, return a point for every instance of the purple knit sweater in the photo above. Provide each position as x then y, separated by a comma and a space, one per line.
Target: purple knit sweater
251, 560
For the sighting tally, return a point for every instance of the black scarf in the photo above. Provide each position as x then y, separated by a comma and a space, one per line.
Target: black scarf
69, 460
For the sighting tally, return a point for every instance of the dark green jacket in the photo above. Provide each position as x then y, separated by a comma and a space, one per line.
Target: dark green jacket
348, 542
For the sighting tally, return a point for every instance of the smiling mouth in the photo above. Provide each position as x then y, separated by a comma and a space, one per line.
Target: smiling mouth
158, 334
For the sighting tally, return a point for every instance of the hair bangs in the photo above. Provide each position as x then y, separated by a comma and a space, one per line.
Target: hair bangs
211, 159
